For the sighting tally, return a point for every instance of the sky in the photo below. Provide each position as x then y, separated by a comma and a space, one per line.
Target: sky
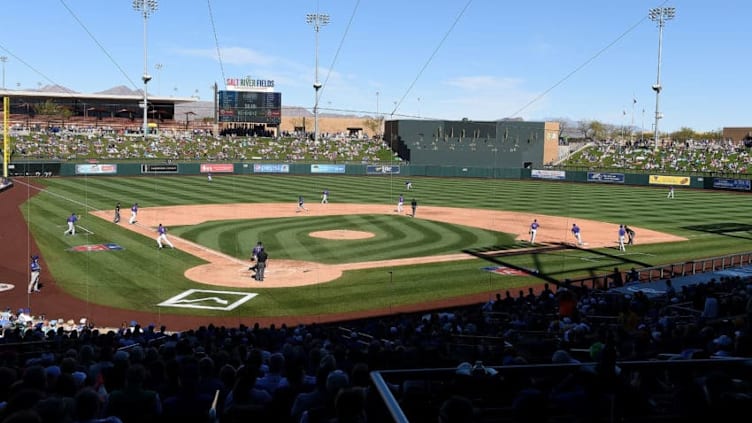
577, 60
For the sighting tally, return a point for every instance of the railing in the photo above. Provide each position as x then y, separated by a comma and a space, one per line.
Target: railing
422, 391
667, 271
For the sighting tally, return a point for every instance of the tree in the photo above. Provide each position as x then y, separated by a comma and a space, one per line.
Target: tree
683, 134
48, 109
374, 125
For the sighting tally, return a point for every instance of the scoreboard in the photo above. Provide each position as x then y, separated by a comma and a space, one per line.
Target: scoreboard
250, 106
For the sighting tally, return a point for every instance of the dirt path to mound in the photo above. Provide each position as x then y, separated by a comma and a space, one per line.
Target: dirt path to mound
223, 270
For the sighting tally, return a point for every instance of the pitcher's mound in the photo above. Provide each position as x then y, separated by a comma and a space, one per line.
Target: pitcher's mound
341, 234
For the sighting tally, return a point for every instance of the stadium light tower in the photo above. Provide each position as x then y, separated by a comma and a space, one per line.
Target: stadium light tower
146, 8
659, 15
318, 20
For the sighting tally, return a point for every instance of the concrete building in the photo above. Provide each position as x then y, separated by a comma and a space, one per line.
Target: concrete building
501, 144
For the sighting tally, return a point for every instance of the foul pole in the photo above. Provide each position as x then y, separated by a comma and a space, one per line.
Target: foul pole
6, 138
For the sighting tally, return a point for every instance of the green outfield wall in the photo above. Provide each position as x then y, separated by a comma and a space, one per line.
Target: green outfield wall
52, 168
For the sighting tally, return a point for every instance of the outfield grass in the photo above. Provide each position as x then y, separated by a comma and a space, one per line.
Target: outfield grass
140, 276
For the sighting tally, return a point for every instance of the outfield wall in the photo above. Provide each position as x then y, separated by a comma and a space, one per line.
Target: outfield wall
42, 168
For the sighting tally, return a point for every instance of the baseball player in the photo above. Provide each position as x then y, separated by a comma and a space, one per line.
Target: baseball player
261, 265
254, 255
325, 197
533, 230
35, 269
162, 237
116, 219
134, 213
72, 219
209, 177
414, 206
621, 233
301, 204
408, 185
630, 235
576, 233
670, 192
400, 203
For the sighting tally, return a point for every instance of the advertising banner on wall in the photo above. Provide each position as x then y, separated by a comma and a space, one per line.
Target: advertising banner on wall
96, 169
327, 168
610, 178
271, 168
548, 174
382, 170
159, 168
669, 180
217, 168
737, 184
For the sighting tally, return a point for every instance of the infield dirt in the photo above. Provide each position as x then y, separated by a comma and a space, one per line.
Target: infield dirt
224, 270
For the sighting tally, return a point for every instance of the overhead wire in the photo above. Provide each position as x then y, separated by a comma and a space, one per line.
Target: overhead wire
216, 41
101, 47
336, 54
433, 54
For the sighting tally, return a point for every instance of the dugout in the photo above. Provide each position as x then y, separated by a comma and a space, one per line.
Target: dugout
502, 143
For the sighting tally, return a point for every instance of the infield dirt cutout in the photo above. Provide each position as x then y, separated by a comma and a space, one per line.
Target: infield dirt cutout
224, 270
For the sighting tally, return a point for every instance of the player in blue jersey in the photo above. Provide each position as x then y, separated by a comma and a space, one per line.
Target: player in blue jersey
134, 213
621, 233
576, 233
301, 205
162, 237
325, 197
400, 203
533, 230
35, 268
72, 219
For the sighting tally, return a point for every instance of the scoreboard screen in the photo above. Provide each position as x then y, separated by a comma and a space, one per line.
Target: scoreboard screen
250, 106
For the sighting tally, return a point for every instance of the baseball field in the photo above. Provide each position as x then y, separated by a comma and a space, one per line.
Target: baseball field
355, 256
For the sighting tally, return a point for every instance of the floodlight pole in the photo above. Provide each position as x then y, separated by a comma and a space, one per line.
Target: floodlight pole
146, 8
318, 20
660, 15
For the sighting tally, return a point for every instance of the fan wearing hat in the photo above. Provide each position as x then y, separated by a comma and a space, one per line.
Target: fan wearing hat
36, 268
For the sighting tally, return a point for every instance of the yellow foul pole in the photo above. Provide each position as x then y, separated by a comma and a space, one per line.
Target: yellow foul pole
6, 138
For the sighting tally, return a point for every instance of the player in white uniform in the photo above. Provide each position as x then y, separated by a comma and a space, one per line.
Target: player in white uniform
533, 230
162, 237
134, 213
400, 203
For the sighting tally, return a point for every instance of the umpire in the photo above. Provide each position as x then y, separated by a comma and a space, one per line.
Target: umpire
261, 265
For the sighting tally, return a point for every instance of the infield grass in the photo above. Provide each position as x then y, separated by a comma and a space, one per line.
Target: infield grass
140, 276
